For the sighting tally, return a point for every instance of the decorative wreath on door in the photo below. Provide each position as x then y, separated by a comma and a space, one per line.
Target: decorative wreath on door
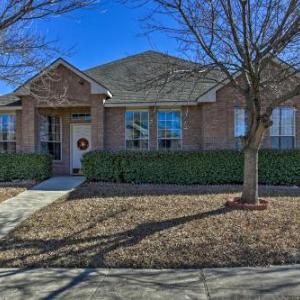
82, 144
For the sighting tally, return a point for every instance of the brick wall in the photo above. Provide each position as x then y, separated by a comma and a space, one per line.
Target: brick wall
114, 132
218, 120
205, 126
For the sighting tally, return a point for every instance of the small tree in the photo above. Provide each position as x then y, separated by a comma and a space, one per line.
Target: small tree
245, 40
23, 51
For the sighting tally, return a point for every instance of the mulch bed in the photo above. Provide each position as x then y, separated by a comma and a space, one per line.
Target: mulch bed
153, 226
11, 189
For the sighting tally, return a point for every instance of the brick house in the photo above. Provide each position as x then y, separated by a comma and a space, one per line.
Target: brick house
101, 111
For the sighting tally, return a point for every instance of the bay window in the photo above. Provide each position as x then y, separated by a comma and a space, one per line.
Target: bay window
169, 131
7, 133
283, 129
50, 136
137, 130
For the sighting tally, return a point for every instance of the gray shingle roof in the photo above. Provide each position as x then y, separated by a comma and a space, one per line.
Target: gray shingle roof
147, 77
154, 77
10, 100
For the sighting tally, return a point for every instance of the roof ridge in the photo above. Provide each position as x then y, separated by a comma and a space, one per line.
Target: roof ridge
119, 60
129, 57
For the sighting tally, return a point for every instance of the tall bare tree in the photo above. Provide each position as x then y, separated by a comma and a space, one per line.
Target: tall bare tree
247, 41
23, 49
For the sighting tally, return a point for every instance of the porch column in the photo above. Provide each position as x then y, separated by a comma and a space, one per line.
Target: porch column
97, 114
29, 125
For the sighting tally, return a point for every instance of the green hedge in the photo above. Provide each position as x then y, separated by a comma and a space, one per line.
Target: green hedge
207, 167
25, 166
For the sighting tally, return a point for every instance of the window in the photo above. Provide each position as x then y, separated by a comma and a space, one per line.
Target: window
137, 130
7, 133
169, 131
283, 128
50, 136
239, 122
81, 117
239, 126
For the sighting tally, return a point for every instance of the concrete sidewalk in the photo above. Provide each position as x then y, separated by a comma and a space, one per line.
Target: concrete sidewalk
15, 210
225, 283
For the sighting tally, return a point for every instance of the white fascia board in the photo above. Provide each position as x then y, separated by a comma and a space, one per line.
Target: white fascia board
156, 104
10, 108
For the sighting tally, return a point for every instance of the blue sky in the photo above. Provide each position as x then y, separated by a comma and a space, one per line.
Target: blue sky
101, 35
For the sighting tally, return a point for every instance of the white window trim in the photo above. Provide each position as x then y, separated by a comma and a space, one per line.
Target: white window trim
295, 128
181, 131
294, 125
10, 114
125, 144
61, 139
235, 123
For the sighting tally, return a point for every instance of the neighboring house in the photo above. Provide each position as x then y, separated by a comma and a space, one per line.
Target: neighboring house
101, 111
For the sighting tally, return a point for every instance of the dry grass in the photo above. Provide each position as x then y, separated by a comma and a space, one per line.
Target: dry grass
148, 226
11, 189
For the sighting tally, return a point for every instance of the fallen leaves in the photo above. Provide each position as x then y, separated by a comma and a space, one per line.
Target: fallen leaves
156, 226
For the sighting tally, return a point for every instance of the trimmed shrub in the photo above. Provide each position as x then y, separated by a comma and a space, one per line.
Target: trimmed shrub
19, 166
206, 167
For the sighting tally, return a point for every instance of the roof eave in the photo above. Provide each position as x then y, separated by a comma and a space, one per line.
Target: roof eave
10, 108
155, 104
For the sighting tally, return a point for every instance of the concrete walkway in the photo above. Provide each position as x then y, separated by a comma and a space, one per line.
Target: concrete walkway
280, 282
15, 210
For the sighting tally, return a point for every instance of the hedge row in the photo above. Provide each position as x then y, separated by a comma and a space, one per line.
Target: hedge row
25, 166
207, 167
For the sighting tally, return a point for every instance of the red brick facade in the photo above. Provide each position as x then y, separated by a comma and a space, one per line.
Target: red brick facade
204, 126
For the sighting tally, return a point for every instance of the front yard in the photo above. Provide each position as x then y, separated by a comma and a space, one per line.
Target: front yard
9, 189
153, 226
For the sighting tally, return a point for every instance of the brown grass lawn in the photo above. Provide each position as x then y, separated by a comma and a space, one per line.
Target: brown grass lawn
152, 226
11, 189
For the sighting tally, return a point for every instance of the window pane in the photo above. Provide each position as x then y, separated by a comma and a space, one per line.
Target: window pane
283, 122
50, 136
286, 142
161, 116
239, 122
7, 147
137, 131
276, 122
137, 145
275, 142
169, 144
169, 130
52, 149
287, 122
81, 117
7, 128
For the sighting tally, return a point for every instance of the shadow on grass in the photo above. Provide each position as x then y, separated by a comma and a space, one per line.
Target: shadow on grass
98, 246
95, 249
106, 190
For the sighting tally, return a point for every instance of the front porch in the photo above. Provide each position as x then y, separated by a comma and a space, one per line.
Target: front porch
67, 133
48, 119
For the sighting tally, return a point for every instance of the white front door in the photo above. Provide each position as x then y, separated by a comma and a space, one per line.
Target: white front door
80, 144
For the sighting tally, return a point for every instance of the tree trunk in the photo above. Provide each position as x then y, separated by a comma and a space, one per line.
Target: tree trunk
250, 186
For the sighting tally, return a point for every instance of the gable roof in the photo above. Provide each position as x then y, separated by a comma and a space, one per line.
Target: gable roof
134, 80
96, 87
